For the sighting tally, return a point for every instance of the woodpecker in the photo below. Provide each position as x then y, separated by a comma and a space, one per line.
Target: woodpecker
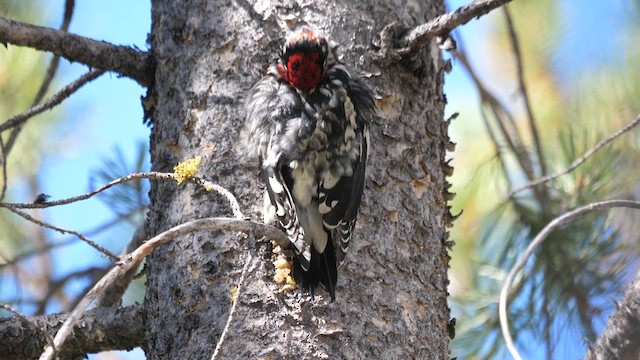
307, 125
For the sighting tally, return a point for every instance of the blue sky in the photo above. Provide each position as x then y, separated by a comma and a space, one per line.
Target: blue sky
106, 113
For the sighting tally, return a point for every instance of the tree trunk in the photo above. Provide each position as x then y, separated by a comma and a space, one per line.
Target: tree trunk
619, 339
392, 289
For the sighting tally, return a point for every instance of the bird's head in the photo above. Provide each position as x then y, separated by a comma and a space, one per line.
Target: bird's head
304, 59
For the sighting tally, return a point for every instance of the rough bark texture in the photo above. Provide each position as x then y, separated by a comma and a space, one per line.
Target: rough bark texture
392, 289
619, 340
102, 329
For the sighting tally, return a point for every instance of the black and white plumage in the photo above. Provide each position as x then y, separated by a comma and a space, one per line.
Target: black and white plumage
306, 123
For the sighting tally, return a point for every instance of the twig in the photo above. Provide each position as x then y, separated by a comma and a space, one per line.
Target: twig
134, 258
3, 160
112, 296
69, 6
581, 159
60, 243
48, 77
233, 202
148, 175
132, 63
542, 235
28, 217
523, 89
30, 322
209, 186
130, 177
53, 101
225, 331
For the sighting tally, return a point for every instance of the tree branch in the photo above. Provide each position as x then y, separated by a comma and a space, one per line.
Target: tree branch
619, 340
442, 25
135, 64
102, 329
56, 99
515, 43
133, 259
48, 77
94, 245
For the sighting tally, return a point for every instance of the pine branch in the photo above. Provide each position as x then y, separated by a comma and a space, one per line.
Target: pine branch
135, 64
574, 165
102, 329
535, 243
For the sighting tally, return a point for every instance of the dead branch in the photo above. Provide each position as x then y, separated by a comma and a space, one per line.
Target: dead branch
99, 330
132, 63
28, 217
69, 6
56, 99
442, 25
133, 259
515, 43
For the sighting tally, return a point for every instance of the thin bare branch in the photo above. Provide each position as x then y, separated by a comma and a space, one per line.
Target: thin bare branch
209, 186
63, 231
233, 202
112, 296
48, 77
580, 160
442, 25
69, 6
3, 161
149, 175
227, 326
134, 258
68, 241
132, 63
53, 101
537, 241
131, 177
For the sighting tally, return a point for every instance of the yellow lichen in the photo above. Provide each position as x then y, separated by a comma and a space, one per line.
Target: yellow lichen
186, 169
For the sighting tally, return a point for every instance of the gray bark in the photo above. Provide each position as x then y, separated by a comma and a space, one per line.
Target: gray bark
392, 290
99, 330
